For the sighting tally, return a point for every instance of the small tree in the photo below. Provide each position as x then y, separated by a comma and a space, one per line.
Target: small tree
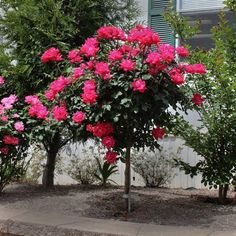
121, 91
215, 138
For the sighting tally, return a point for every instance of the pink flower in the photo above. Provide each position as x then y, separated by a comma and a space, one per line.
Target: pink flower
50, 95
182, 51
60, 113
38, 110
2, 81
74, 56
10, 140
143, 35
90, 47
78, 72
176, 76
158, 133
15, 115
4, 118
111, 32
19, 126
102, 69
197, 99
32, 99
78, 117
52, 54
154, 58
4, 150
167, 52
111, 157
102, 129
115, 55
127, 65
195, 69
89, 97
139, 85
59, 84
89, 128
89, 85
9, 101
108, 142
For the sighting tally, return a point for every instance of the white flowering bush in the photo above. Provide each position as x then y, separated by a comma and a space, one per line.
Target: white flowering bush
155, 167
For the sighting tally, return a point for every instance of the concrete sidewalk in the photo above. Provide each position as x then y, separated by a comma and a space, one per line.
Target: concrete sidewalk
89, 226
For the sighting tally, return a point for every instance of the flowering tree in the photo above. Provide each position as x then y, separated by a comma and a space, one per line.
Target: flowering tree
118, 91
13, 140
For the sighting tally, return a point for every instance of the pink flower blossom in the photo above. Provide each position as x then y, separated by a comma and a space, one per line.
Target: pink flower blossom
111, 32
195, 69
32, 99
2, 81
52, 54
127, 65
8, 102
182, 51
74, 56
4, 150
111, 157
102, 69
197, 99
50, 95
90, 47
109, 142
158, 133
139, 85
10, 140
19, 126
39, 111
176, 76
167, 52
144, 35
59, 113
154, 58
59, 84
89, 85
115, 55
4, 118
89, 97
78, 117
78, 72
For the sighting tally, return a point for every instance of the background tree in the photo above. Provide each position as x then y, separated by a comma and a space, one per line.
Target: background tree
215, 138
29, 27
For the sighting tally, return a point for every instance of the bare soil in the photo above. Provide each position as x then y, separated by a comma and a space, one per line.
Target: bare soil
163, 206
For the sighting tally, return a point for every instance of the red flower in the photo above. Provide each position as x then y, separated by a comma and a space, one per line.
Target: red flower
102, 129
78, 117
7, 139
4, 150
176, 76
197, 99
139, 85
60, 113
158, 133
52, 54
89, 97
115, 55
109, 142
38, 110
111, 157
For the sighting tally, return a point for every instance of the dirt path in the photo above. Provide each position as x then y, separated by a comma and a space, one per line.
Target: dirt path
159, 206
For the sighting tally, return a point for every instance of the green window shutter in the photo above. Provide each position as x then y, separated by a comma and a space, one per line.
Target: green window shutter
157, 21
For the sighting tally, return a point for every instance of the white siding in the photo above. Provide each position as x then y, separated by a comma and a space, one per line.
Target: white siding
143, 16
198, 5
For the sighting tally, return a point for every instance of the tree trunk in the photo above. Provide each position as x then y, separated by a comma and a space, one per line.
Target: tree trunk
52, 150
127, 180
223, 190
48, 173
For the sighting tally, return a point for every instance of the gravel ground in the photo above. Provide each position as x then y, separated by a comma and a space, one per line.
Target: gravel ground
157, 206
